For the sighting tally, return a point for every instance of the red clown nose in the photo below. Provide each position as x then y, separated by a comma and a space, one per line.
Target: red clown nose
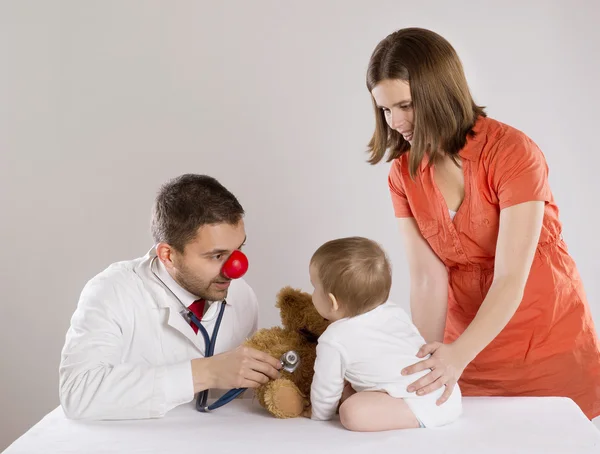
235, 266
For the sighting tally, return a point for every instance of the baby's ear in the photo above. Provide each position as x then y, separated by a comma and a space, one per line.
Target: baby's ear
334, 302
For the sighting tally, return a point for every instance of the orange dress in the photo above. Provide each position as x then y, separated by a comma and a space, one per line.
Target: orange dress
550, 346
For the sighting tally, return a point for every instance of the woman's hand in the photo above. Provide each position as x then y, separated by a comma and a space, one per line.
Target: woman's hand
446, 364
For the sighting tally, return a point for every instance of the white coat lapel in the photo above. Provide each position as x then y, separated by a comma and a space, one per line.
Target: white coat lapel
165, 301
176, 321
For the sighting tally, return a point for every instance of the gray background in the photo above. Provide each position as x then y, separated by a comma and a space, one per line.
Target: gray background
101, 102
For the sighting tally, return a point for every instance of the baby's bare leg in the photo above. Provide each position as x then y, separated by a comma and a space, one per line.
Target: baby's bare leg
376, 411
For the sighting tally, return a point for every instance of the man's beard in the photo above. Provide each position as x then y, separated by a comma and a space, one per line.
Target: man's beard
200, 288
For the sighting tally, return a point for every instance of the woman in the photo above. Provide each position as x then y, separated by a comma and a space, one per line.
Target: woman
491, 277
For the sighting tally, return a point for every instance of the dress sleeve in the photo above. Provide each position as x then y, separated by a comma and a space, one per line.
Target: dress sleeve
396, 186
519, 172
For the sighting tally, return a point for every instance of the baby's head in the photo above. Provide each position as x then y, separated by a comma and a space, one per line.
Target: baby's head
350, 276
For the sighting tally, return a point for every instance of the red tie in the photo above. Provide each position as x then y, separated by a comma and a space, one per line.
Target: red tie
197, 308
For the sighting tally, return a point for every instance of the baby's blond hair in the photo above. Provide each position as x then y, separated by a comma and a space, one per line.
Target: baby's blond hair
356, 271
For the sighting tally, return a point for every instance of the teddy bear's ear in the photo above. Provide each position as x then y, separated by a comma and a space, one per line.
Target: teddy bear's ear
291, 299
298, 312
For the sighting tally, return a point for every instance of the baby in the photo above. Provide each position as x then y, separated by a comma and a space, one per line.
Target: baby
370, 340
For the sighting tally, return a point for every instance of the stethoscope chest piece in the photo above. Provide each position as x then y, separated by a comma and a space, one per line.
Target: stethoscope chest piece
290, 361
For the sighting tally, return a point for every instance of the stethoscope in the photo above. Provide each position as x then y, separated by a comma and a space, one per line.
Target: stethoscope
233, 268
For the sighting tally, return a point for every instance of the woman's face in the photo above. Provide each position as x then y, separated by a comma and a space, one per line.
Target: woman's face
392, 96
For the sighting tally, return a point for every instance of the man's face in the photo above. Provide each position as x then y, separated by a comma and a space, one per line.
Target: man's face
198, 268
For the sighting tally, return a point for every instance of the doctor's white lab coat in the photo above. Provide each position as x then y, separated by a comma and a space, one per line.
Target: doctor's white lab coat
128, 350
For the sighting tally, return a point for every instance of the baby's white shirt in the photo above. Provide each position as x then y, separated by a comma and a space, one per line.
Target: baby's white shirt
369, 351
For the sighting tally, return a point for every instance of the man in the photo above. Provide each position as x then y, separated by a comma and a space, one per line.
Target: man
129, 352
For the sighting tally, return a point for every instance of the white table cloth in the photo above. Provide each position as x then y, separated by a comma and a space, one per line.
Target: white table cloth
488, 426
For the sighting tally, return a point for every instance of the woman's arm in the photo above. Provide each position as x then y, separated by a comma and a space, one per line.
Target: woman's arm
520, 227
428, 283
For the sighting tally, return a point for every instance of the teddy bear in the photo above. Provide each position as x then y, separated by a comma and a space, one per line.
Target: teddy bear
289, 395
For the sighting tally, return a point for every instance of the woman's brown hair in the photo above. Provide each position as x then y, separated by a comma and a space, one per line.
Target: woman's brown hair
444, 110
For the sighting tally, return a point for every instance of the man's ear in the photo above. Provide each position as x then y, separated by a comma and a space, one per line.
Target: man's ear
165, 254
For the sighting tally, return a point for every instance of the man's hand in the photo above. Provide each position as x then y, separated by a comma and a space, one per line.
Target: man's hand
243, 367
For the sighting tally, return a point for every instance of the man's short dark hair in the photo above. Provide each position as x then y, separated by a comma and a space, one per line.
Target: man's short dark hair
186, 203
